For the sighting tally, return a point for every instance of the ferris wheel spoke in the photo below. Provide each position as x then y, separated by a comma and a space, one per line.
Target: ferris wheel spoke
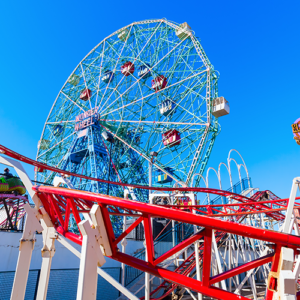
83, 75
80, 107
154, 122
124, 95
154, 66
59, 122
140, 153
183, 80
187, 111
178, 155
115, 67
190, 68
149, 39
42, 154
135, 60
100, 74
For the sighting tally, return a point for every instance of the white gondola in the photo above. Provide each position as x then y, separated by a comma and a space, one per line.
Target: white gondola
74, 79
124, 35
184, 30
220, 107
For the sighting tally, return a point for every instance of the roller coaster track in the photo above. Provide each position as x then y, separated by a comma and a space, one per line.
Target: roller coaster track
60, 203
214, 211
35, 163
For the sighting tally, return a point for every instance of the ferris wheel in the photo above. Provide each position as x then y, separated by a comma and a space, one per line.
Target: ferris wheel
141, 99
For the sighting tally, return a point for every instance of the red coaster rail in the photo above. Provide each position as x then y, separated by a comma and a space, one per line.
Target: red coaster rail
60, 203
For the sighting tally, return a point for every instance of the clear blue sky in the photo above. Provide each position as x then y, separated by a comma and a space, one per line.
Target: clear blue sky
253, 44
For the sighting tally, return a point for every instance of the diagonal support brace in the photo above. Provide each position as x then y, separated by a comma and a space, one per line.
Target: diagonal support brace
25, 251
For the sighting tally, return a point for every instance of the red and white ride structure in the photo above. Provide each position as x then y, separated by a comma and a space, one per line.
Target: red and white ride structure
236, 236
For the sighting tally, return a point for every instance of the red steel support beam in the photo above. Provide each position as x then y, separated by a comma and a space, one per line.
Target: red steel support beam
46, 206
206, 257
51, 208
241, 269
179, 247
57, 211
74, 210
179, 279
128, 230
69, 235
149, 239
67, 216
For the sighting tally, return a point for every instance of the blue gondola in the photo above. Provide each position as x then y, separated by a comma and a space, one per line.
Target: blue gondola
167, 107
144, 71
58, 129
161, 177
108, 76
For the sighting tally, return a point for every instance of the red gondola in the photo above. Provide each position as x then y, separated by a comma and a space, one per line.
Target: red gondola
127, 68
86, 94
159, 82
171, 138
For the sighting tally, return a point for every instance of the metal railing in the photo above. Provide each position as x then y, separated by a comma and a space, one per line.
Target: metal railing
238, 188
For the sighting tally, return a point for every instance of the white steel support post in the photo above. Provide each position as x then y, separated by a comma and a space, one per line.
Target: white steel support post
238, 289
25, 251
150, 174
48, 251
31, 226
286, 289
124, 241
229, 261
91, 256
124, 244
297, 268
147, 275
173, 230
196, 244
217, 255
94, 243
290, 208
245, 260
214, 267
285, 275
